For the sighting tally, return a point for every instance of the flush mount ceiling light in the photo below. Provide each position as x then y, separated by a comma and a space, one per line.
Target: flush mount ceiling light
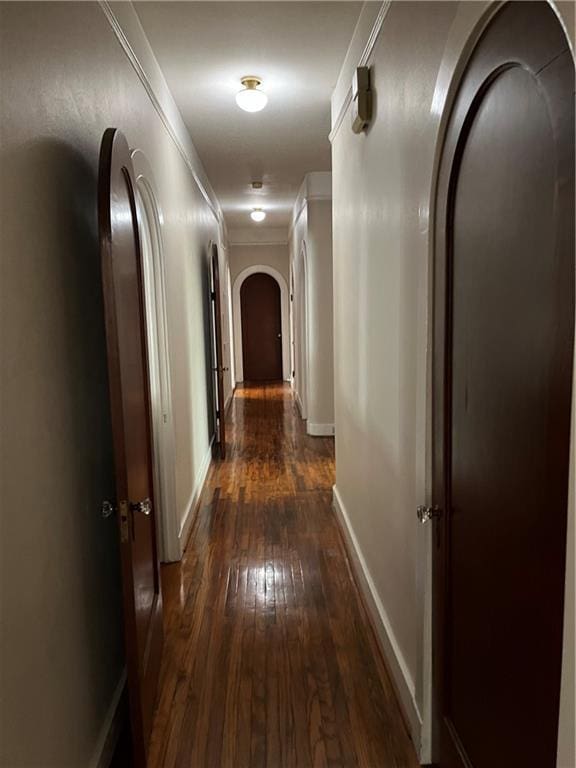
258, 214
250, 99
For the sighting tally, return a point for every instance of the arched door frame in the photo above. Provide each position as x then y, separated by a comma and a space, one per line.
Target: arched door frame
231, 345
159, 362
472, 22
237, 318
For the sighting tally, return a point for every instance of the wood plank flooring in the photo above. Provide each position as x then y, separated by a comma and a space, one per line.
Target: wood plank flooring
270, 660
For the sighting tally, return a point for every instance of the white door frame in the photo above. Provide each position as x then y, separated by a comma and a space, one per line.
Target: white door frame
301, 300
237, 318
163, 441
292, 329
231, 346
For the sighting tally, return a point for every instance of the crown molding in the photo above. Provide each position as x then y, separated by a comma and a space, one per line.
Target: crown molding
253, 243
307, 194
364, 61
240, 236
299, 207
206, 192
319, 196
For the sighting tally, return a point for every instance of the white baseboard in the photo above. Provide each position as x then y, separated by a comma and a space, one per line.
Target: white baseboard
320, 430
229, 399
195, 497
110, 730
389, 647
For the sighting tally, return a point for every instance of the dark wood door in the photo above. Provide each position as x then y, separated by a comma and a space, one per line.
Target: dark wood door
130, 407
218, 354
504, 332
261, 328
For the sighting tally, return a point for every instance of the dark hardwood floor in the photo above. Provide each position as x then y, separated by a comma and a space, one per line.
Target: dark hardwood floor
270, 659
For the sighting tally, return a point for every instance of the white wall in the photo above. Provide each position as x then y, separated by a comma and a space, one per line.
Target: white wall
382, 183
311, 264
65, 78
274, 255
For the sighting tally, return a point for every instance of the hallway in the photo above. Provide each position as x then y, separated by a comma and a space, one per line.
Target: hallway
288, 384
269, 656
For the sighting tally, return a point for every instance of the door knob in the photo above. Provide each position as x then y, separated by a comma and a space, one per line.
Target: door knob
107, 509
144, 506
428, 513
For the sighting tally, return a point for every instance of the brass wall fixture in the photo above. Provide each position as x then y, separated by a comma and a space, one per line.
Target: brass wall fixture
361, 100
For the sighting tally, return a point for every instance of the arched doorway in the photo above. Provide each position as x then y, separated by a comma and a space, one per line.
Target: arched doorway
149, 221
237, 318
260, 306
502, 377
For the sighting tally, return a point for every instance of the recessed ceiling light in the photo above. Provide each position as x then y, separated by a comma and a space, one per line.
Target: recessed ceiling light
250, 99
258, 214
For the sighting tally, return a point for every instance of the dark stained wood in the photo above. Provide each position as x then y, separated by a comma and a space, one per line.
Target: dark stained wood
270, 659
504, 334
261, 328
130, 406
219, 372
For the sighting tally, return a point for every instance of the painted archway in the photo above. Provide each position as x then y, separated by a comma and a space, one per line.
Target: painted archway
163, 437
237, 318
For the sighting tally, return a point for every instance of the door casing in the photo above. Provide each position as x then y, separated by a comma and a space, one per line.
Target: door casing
237, 318
170, 547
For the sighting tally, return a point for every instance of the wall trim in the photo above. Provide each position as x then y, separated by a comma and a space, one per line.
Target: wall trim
159, 362
195, 497
320, 430
230, 397
364, 61
298, 402
132, 57
302, 330
110, 730
389, 647
237, 318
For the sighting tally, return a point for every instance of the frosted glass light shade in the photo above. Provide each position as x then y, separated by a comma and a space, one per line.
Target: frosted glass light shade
258, 214
250, 99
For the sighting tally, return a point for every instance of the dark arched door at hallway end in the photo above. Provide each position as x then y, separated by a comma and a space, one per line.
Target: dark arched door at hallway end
261, 328
503, 347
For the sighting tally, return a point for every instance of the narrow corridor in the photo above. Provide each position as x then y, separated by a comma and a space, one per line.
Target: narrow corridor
270, 659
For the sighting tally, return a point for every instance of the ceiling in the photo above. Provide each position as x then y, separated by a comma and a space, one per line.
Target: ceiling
296, 48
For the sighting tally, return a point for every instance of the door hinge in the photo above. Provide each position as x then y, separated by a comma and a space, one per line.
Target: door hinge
217, 413
212, 295
124, 508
